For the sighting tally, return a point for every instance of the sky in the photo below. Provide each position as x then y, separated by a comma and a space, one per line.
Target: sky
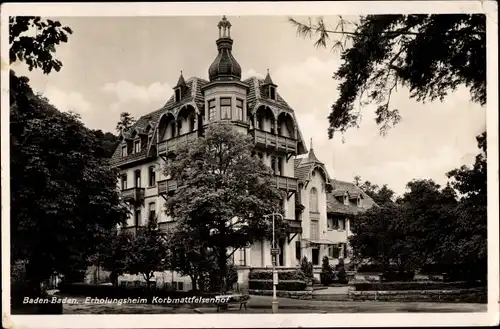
117, 64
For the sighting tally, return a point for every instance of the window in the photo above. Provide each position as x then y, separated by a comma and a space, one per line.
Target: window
314, 230
313, 200
280, 166
137, 217
346, 200
239, 110
298, 250
124, 182
358, 201
152, 176
137, 178
225, 108
333, 251
341, 224
152, 210
179, 127
329, 223
243, 257
273, 165
272, 92
178, 95
313, 173
124, 150
172, 130
137, 146
192, 123
211, 110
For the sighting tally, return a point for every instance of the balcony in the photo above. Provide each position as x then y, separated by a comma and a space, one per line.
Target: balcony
280, 143
286, 183
171, 145
166, 186
294, 226
134, 195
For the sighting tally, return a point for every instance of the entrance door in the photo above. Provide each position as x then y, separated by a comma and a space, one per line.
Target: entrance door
315, 256
281, 257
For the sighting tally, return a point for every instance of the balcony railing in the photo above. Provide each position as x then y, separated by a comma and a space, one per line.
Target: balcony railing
269, 140
286, 183
166, 186
294, 226
133, 194
173, 144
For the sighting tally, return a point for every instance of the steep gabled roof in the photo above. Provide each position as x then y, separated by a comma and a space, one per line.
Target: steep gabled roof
340, 188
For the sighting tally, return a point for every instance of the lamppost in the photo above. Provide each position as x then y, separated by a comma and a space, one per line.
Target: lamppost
274, 253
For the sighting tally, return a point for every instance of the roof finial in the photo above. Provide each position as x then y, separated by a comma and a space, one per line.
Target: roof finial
224, 28
311, 144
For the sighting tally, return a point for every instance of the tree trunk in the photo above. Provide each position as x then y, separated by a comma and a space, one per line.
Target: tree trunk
222, 268
194, 279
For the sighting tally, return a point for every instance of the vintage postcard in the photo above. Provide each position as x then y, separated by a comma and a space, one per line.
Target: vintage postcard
246, 164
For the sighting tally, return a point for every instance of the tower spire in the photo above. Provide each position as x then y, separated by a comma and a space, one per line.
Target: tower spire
225, 66
312, 157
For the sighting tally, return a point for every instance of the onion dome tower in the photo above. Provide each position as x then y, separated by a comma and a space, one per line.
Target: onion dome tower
225, 66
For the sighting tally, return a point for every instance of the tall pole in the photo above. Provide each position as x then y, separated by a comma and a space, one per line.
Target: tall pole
275, 275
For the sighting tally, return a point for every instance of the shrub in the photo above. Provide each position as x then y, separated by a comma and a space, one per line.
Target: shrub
288, 285
306, 267
232, 275
282, 275
398, 276
326, 275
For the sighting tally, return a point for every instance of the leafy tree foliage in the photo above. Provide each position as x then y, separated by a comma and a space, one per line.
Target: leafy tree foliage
430, 225
148, 251
109, 142
382, 52
126, 121
192, 257
36, 51
380, 195
62, 191
223, 192
115, 253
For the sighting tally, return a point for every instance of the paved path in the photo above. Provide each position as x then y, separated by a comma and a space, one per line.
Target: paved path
332, 291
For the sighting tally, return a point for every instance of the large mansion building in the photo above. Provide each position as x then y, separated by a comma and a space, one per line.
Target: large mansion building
317, 206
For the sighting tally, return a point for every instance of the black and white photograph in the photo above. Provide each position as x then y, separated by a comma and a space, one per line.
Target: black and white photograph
246, 164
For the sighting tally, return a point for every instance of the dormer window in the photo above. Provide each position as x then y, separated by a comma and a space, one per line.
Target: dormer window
346, 199
137, 146
358, 201
272, 92
178, 94
124, 150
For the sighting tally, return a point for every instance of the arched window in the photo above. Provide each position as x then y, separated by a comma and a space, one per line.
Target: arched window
313, 200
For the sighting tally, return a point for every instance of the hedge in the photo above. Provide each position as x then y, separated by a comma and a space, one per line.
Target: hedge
306, 294
474, 295
282, 275
414, 285
289, 285
102, 291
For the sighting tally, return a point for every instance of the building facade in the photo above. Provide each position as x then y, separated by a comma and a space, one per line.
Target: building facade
316, 206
